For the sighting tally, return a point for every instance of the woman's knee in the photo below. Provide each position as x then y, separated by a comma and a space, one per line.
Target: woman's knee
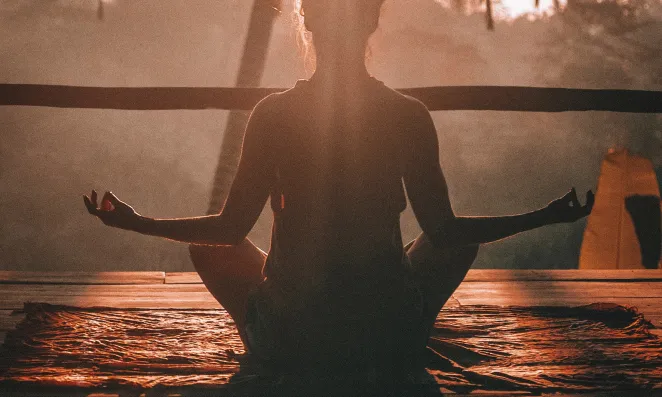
464, 257
469, 252
243, 258
422, 253
457, 261
219, 252
207, 258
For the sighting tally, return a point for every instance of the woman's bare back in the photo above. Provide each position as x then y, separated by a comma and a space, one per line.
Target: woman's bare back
337, 186
335, 171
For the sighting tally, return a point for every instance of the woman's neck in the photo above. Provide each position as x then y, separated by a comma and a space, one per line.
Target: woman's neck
341, 66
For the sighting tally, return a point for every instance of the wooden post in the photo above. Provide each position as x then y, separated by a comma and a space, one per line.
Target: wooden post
250, 74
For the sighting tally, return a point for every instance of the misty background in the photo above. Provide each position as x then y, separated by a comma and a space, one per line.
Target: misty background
163, 162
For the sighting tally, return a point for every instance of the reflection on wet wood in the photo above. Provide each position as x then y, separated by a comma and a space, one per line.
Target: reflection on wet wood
183, 290
591, 348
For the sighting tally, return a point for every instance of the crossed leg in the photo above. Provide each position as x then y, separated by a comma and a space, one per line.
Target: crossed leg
438, 272
230, 273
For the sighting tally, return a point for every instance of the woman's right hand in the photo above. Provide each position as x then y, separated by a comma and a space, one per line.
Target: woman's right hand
568, 209
112, 212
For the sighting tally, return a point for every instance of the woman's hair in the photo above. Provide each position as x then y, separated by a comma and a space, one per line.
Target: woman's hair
305, 36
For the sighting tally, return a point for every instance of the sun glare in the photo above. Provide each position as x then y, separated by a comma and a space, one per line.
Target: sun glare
512, 9
508, 10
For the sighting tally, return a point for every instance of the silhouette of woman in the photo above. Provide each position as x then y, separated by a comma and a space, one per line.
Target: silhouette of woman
332, 154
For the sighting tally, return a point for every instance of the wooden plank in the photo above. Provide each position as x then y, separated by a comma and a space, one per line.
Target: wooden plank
196, 296
505, 98
155, 302
13, 296
101, 289
23, 277
478, 288
595, 289
563, 275
520, 289
517, 289
182, 278
647, 296
649, 307
503, 275
193, 278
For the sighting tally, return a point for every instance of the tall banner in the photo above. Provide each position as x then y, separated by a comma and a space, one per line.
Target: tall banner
623, 230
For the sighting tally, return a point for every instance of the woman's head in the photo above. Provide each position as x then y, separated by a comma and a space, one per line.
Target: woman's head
341, 18
339, 25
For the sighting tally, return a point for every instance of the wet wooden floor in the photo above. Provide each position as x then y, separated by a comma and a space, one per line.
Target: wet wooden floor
152, 290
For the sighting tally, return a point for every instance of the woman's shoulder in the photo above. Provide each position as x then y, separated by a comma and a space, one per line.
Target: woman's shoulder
406, 104
267, 104
275, 102
388, 98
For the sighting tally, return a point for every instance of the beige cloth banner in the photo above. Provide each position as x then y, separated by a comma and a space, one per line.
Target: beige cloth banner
610, 241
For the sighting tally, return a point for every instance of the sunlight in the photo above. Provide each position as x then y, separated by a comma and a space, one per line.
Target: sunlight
512, 9
508, 10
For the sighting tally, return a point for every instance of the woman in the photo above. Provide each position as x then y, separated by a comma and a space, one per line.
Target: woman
332, 153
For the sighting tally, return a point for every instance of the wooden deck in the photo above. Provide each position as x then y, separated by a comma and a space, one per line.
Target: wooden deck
151, 290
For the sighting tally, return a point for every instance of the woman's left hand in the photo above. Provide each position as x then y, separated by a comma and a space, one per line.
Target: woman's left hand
568, 209
112, 212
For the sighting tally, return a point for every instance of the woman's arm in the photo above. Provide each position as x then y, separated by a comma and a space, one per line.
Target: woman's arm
243, 206
428, 194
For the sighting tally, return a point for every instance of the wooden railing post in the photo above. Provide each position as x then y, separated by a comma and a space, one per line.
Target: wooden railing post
250, 73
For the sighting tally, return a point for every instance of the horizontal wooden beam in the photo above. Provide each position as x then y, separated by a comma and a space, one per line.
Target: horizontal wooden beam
474, 275
502, 98
477, 275
646, 296
76, 277
592, 275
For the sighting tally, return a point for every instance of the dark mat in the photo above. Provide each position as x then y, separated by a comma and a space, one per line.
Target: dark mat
600, 347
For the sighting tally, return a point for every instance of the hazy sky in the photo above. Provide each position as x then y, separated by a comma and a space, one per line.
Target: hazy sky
162, 162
